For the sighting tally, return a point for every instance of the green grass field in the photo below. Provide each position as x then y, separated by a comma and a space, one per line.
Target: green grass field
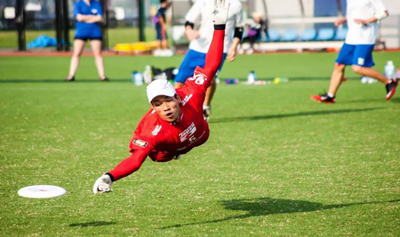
276, 163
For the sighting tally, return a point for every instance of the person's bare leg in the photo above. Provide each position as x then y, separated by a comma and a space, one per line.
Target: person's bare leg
159, 44
164, 44
336, 78
76, 54
98, 58
210, 93
178, 85
370, 72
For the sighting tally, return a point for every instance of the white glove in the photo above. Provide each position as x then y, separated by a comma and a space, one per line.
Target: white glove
103, 184
220, 13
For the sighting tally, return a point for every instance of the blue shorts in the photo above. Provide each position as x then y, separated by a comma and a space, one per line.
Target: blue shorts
159, 35
190, 62
360, 55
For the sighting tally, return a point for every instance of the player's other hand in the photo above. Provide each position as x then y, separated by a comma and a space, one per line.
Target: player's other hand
231, 54
220, 13
103, 184
361, 21
192, 34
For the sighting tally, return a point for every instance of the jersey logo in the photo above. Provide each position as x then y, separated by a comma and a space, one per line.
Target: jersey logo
140, 143
186, 99
198, 78
156, 130
188, 132
94, 11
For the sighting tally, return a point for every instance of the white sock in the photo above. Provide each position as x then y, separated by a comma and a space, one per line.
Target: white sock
330, 95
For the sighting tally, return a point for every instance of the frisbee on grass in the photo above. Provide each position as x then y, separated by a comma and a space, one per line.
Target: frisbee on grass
41, 191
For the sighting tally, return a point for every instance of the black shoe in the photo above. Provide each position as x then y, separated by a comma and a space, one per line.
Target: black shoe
206, 114
105, 79
70, 79
325, 98
391, 88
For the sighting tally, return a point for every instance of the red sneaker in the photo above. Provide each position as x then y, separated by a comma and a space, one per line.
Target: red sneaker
391, 88
324, 98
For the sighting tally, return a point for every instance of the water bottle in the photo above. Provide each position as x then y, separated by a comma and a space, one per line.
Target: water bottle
389, 69
133, 76
148, 74
137, 78
251, 77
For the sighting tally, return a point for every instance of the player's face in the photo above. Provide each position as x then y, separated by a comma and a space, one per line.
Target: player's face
167, 107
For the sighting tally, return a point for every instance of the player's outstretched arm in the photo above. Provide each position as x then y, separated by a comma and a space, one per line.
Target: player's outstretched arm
125, 168
214, 54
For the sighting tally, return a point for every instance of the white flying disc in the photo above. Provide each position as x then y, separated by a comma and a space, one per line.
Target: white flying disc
41, 191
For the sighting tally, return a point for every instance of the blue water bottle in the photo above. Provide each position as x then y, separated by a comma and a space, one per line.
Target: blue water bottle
137, 78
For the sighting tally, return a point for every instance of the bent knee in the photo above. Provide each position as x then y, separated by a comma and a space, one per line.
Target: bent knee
339, 67
357, 69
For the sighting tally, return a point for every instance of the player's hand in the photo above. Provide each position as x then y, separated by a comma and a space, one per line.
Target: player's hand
192, 34
340, 21
103, 184
220, 13
362, 22
231, 54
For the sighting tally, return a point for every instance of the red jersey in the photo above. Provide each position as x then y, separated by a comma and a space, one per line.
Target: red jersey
163, 141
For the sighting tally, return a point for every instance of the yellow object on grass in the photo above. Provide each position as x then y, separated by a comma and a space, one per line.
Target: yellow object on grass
136, 47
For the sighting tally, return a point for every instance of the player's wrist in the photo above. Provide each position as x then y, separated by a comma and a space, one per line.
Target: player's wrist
111, 177
219, 27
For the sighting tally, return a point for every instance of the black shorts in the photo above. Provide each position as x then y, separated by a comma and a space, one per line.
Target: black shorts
89, 38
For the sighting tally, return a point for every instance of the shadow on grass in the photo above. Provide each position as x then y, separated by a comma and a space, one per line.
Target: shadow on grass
269, 206
94, 223
299, 114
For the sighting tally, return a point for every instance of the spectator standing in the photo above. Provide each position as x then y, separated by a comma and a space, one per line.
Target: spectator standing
88, 15
160, 24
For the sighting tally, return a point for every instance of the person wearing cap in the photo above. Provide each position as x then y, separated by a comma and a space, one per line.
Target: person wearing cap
198, 29
174, 125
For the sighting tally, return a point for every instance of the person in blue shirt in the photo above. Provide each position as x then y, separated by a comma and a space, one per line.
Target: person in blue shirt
88, 15
160, 23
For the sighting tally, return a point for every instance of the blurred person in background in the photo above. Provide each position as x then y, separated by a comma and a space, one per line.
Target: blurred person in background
255, 28
88, 15
160, 25
200, 42
362, 19
174, 125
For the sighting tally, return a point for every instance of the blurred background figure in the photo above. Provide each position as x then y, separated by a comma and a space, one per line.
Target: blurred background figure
88, 15
198, 17
362, 18
256, 26
161, 28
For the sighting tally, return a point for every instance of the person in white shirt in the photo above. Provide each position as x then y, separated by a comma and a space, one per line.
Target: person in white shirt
199, 30
362, 19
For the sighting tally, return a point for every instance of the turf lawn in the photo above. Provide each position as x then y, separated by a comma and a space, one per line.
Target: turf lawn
276, 164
